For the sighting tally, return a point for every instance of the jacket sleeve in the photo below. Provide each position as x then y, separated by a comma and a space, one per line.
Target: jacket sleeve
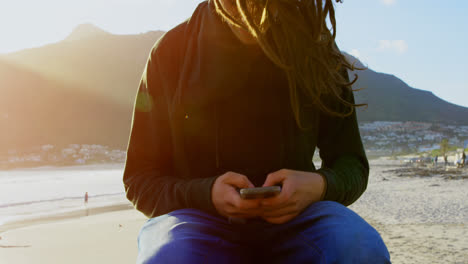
344, 162
148, 177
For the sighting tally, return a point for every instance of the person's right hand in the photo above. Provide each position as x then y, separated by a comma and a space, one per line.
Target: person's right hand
226, 198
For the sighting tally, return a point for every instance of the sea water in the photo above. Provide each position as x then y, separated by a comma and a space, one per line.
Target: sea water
45, 191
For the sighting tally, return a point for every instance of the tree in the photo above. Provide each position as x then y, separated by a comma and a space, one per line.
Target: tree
444, 146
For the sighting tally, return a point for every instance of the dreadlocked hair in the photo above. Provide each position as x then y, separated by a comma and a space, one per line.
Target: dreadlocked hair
294, 35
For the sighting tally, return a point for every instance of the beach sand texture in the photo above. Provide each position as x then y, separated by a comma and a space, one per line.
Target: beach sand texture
103, 238
422, 219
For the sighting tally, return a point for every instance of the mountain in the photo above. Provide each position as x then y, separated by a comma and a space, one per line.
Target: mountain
35, 110
391, 99
82, 89
85, 31
100, 63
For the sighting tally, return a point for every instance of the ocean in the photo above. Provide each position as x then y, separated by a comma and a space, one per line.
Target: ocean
47, 191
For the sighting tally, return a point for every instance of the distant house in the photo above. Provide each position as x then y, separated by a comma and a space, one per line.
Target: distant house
68, 151
47, 147
80, 161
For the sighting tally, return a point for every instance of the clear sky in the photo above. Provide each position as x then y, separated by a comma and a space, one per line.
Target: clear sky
423, 42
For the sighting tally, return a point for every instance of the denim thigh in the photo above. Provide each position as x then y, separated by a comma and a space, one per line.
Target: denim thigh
190, 236
326, 232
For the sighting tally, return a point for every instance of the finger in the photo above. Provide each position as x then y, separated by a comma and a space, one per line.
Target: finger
274, 178
287, 210
246, 204
230, 196
233, 198
275, 207
280, 220
280, 200
234, 211
238, 181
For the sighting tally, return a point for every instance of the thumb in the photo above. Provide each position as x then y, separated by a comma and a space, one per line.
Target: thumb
239, 181
274, 179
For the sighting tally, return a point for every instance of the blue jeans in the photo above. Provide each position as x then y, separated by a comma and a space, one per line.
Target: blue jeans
326, 232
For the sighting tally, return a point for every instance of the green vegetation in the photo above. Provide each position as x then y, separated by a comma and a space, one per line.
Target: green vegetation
444, 145
444, 148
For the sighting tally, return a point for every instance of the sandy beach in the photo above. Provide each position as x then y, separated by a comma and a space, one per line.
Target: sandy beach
101, 238
420, 211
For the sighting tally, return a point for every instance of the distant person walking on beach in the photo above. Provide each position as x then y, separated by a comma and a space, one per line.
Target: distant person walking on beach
435, 160
445, 160
86, 202
238, 96
463, 161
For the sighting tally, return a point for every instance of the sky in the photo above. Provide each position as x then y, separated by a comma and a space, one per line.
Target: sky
421, 42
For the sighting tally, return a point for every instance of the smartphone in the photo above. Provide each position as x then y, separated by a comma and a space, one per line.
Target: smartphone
259, 192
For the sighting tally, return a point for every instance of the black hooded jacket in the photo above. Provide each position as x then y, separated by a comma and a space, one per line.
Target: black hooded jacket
208, 104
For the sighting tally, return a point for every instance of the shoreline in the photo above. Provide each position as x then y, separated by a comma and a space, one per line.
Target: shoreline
96, 166
58, 217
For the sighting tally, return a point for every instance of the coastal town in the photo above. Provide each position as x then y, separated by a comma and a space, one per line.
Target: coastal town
50, 155
401, 140
414, 139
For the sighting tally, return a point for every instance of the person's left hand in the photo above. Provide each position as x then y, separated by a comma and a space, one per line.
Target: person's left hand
299, 190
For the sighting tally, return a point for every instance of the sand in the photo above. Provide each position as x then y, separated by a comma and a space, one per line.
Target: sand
421, 212
421, 219
102, 238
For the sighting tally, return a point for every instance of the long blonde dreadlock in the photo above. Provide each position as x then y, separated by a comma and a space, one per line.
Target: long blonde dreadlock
295, 36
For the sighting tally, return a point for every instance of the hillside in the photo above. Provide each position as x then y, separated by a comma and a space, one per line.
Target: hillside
82, 89
111, 65
35, 110
391, 99
85, 31
101, 63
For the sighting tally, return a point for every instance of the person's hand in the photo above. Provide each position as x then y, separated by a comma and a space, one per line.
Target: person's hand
299, 190
227, 200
